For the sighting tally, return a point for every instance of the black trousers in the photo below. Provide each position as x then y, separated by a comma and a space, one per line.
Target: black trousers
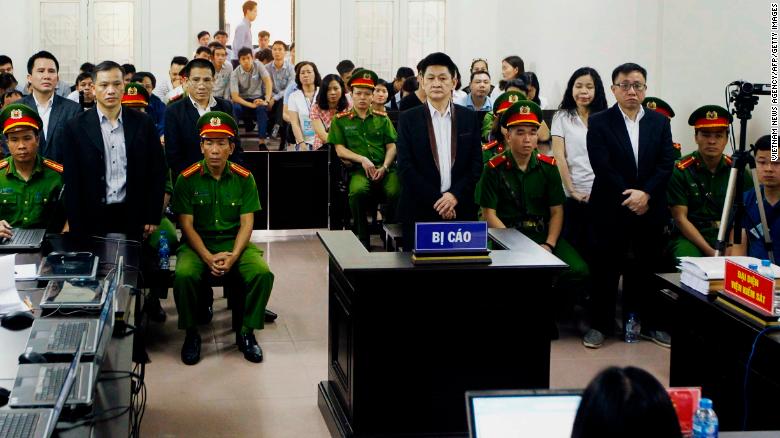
576, 226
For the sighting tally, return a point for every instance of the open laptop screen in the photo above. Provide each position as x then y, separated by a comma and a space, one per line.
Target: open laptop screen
519, 414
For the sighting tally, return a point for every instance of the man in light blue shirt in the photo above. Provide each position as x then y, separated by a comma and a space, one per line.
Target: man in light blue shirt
243, 36
282, 73
478, 99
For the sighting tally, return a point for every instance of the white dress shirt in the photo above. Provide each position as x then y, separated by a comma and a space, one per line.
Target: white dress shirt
442, 130
212, 103
574, 133
115, 158
633, 131
44, 111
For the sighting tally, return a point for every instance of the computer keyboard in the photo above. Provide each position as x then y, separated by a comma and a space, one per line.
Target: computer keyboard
17, 425
67, 336
23, 236
52, 381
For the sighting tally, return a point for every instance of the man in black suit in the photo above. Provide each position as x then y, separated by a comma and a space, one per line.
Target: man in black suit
182, 143
632, 156
114, 166
439, 153
43, 75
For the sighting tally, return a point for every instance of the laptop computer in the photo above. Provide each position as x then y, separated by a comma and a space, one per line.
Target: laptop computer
59, 265
22, 238
74, 294
39, 423
37, 385
57, 337
522, 413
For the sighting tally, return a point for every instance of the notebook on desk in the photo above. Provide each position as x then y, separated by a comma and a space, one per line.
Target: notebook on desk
23, 239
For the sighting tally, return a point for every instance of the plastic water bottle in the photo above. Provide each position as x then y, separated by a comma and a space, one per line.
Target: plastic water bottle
705, 422
633, 328
164, 251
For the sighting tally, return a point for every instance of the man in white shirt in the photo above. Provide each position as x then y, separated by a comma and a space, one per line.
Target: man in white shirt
439, 153
43, 76
171, 87
243, 35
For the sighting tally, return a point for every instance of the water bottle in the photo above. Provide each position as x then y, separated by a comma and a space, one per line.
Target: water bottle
705, 422
633, 328
766, 271
164, 251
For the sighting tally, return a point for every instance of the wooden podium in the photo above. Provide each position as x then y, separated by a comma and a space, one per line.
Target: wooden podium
406, 342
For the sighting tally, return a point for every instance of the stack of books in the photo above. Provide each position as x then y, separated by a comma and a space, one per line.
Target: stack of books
705, 274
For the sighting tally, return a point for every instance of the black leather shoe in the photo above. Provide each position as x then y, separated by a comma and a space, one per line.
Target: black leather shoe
154, 310
206, 315
247, 344
190, 351
270, 316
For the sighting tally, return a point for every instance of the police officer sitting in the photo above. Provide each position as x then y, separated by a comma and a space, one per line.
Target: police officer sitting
661, 107
367, 138
522, 188
30, 185
216, 201
697, 189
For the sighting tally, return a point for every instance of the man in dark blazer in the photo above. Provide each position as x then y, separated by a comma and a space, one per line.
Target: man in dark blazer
182, 143
439, 153
631, 153
114, 166
43, 75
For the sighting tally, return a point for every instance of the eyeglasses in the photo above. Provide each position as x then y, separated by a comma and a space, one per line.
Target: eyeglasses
637, 86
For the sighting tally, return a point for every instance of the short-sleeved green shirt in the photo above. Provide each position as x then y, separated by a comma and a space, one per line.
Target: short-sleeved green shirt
35, 203
217, 205
683, 189
537, 189
367, 137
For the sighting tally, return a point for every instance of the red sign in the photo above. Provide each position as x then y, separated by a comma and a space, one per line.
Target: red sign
749, 287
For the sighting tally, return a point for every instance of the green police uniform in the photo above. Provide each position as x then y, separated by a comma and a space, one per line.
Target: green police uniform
35, 203
367, 137
522, 199
660, 106
501, 104
702, 191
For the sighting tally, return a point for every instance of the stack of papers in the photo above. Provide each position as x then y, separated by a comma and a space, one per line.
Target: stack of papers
705, 274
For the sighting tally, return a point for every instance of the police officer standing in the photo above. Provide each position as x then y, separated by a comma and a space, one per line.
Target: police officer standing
366, 137
697, 189
522, 188
216, 201
30, 185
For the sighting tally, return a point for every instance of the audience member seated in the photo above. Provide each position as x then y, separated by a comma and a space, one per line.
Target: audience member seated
11, 97
222, 69
480, 65
400, 76
697, 189
345, 69
416, 97
625, 402
299, 105
129, 70
332, 100
30, 185
55, 110
182, 143
203, 38
532, 82
216, 241
202, 52
156, 108
84, 94
282, 74
7, 66
7, 83
769, 179
251, 91
584, 96
263, 41
381, 95
367, 139
265, 56
171, 87
512, 67
221, 37
478, 98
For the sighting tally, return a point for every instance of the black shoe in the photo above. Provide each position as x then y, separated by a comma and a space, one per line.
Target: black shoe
206, 315
154, 310
190, 351
247, 344
270, 316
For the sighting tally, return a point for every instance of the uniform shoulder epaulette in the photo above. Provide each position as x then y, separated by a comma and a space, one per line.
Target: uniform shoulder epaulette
686, 162
343, 114
489, 146
175, 99
497, 161
243, 171
4, 163
546, 158
728, 159
380, 113
677, 146
191, 170
53, 165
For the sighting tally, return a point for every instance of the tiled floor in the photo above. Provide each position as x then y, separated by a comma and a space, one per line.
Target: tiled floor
226, 396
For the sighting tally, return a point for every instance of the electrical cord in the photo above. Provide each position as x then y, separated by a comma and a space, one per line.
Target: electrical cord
747, 373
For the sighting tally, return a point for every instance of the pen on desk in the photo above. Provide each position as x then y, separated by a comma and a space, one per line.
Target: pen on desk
28, 303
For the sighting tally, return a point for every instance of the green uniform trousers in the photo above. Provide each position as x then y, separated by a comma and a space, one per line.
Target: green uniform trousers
361, 190
577, 278
250, 269
679, 246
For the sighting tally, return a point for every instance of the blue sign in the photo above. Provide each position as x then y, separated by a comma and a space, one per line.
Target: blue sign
451, 236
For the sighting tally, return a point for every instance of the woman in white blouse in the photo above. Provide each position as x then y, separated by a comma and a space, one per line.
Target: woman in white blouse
300, 104
584, 96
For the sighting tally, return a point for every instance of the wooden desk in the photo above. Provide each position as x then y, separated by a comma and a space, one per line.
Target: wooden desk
406, 342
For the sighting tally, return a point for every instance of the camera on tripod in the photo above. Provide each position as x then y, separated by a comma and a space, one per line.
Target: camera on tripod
749, 89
